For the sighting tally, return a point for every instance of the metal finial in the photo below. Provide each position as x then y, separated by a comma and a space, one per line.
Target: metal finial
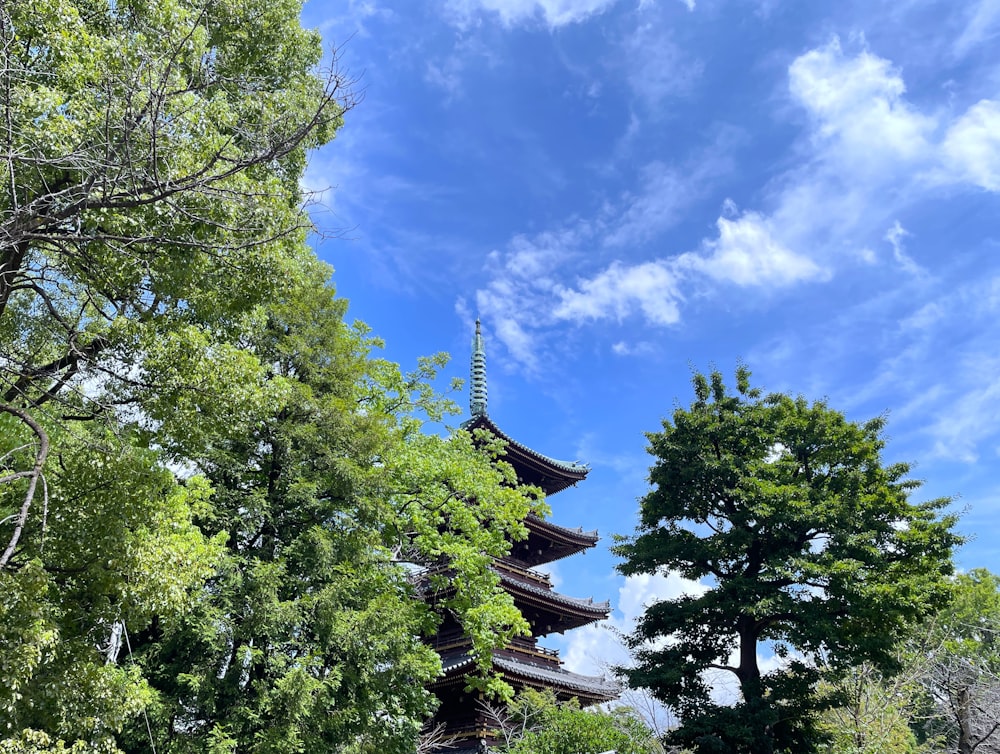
477, 384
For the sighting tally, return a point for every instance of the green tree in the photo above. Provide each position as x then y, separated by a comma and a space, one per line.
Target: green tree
874, 712
959, 649
150, 205
810, 544
150, 199
309, 635
537, 723
208, 483
117, 546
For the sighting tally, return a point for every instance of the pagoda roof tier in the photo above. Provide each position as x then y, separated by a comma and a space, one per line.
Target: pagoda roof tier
547, 610
519, 674
532, 467
547, 542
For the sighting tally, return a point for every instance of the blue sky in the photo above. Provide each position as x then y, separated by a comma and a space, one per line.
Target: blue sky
625, 191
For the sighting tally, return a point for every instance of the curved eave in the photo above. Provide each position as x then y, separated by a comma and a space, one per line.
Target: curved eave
584, 607
549, 612
578, 539
589, 689
547, 542
533, 468
573, 611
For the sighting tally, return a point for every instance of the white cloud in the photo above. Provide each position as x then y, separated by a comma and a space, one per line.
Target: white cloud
502, 302
747, 253
867, 155
971, 148
624, 348
596, 649
639, 592
867, 132
619, 290
518, 342
858, 107
554, 13
592, 649
519, 297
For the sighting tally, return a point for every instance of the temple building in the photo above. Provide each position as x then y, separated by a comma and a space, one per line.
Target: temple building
523, 663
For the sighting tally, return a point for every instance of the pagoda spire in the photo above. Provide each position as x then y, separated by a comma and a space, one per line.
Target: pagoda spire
477, 383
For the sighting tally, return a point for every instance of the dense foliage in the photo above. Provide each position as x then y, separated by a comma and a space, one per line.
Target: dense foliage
212, 492
809, 544
537, 723
149, 202
944, 697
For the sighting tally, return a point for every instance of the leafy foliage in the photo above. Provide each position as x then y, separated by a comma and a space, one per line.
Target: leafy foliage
809, 543
874, 713
150, 199
309, 635
536, 723
209, 483
119, 546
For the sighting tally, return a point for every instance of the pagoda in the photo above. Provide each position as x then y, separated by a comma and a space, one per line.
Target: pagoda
522, 663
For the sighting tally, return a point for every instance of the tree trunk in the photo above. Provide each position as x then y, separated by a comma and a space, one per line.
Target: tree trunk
964, 715
748, 672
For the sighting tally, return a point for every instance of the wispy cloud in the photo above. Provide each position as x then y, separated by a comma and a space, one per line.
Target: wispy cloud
655, 66
664, 193
972, 416
895, 236
553, 13
626, 348
867, 154
983, 25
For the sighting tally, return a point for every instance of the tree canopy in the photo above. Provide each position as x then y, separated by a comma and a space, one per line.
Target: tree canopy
809, 545
537, 723
212, 490
150, 200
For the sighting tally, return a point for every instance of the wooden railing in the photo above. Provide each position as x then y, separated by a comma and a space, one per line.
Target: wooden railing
539, 578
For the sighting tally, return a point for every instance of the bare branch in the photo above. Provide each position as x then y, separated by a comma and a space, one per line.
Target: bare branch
36, 472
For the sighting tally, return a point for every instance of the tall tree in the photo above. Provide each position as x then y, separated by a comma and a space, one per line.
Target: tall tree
151, 156
309, 637
149, 194
207, 481
810, 545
